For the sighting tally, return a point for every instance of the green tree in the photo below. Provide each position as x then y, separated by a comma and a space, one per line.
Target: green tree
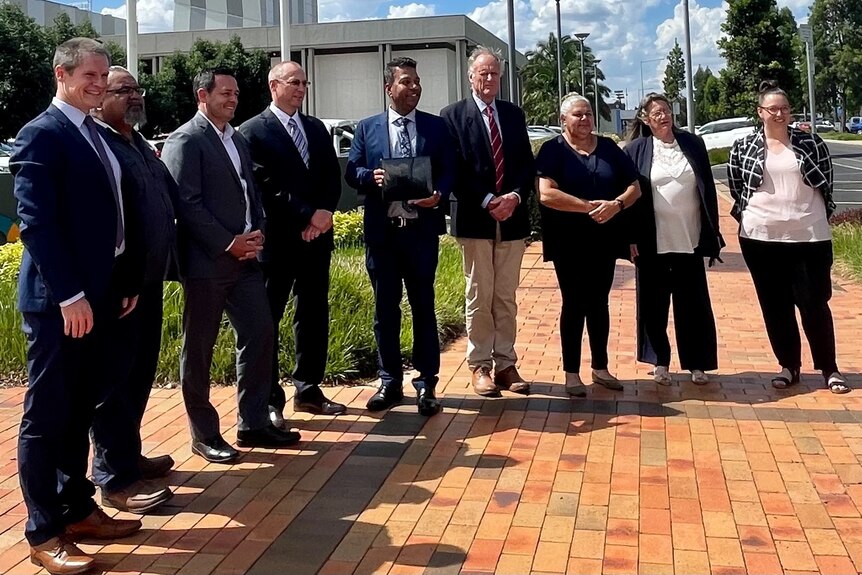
674, 73
760, 42
707, 96
837, 30
541, 100
25, 69
63, 29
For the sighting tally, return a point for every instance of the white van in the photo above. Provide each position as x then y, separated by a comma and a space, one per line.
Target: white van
723, 133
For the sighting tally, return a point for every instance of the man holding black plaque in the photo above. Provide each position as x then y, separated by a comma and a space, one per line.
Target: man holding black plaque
401, 230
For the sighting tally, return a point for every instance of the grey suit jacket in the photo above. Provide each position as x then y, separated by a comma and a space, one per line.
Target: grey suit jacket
211, 207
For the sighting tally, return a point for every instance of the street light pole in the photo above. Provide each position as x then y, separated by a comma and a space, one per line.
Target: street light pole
513, 68
132, 38
284, 29
581, 37
689, 88
808, 37
643, 91
598, 109
559, 55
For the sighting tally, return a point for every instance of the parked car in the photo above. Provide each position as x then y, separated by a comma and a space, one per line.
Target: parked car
723, 133
854, 126
4, 161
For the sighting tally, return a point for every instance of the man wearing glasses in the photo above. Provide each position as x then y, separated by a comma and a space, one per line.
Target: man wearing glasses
297, 171
119, 468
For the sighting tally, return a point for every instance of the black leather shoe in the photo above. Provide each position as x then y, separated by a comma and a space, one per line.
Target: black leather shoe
386, 397
318, 405
155, 467
269, 436
427, 402
215, 450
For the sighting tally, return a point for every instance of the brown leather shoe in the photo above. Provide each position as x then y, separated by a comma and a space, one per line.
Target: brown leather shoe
60, 557
140, 497
98, 525
510, 379
155, 467
483, 384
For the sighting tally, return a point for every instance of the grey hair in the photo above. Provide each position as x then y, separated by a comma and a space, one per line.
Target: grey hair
480, 50
69, 54
569, 100
277, 69
120, 69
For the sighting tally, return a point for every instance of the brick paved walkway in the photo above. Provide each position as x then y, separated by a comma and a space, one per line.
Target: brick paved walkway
734, 477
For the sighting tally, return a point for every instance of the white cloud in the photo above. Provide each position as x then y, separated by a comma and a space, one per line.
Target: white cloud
412, 10
343, 10
153, 15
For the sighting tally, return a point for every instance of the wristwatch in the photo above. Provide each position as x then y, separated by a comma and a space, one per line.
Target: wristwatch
621, 203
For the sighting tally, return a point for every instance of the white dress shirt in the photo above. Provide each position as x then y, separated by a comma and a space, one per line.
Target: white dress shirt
285, 118
226, 138
76, 116
482, 106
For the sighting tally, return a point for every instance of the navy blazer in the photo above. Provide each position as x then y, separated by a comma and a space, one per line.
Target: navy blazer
476, 171
290, 190
68, 219
642, 216
371, 145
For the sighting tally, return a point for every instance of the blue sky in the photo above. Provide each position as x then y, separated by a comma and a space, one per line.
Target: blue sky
629, 36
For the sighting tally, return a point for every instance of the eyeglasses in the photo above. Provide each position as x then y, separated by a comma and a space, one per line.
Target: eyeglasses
659, 114
772, 110
123, 92
294, 83
581, 115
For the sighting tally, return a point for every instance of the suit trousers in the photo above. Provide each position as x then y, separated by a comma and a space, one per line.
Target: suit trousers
303, 268
492, 271
408, 257
116, 430
585, 279
682, 277
789, 275
243, 299
68, 377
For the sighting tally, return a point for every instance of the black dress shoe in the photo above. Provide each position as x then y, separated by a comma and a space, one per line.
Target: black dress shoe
215, 450
386, 397
318, 405
427, 402
155, 467
269, 436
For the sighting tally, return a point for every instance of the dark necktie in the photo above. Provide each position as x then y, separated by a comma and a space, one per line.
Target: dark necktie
298, 140
496, 148
404, 137
106, 163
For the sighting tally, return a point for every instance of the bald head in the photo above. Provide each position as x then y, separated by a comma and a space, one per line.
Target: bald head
123, 106
288, 86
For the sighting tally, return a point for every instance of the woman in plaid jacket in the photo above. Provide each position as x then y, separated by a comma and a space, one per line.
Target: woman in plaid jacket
781, 181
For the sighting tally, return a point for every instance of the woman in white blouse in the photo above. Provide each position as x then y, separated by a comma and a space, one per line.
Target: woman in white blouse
675, 227
781, 181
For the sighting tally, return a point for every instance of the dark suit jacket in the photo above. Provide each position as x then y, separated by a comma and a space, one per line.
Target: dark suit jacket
292, 191
371, 144
476, 176
642, 215
211, 205
68, 219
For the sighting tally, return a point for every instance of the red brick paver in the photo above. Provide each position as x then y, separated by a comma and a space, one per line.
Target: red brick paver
732, 477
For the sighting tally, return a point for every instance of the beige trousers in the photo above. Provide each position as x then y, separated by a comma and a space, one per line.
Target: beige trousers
492, 270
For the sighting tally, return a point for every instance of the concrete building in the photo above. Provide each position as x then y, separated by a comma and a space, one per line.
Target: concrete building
44, 13
344, 60
220, 14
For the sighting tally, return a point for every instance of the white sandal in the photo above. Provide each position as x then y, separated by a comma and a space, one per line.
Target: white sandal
836, 383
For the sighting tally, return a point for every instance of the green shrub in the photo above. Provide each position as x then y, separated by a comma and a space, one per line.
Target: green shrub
10, 261
847, 245
347, 227
718, 156
841, 136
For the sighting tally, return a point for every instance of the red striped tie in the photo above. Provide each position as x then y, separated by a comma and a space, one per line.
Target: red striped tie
496, 147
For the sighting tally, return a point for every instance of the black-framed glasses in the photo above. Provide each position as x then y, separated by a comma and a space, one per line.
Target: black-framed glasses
772, 110
123, 92
295, 83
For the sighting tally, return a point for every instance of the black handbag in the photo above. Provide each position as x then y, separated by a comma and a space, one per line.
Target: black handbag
407, 179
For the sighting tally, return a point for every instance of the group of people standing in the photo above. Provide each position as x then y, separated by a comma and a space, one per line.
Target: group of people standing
243, 218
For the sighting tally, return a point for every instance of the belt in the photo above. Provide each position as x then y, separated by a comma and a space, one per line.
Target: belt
402, 222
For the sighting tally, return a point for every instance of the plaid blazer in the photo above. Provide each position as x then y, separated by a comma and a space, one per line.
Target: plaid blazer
747, 158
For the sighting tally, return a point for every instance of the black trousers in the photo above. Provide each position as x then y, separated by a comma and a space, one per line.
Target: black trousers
408, 259
682, 278
116, 431
585, 284
794, 275
301, 268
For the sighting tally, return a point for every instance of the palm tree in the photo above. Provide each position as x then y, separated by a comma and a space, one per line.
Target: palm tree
541, 101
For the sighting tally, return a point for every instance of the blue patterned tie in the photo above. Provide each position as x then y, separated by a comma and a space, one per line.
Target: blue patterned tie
298, 140
404, 137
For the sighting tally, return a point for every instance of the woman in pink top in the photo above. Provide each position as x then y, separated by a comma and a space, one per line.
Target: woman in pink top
781, 180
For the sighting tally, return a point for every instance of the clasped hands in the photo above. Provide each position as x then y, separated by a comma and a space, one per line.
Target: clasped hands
502, 207
603, 210
429, 202
321, 222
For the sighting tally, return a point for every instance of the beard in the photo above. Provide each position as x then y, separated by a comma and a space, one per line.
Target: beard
136, 116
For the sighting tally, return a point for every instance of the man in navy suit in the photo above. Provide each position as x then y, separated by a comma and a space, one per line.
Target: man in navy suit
490, 219
402, 238
81, 271
297, 172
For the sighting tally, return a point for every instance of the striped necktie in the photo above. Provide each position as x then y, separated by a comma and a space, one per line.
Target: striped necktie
298, 140
496, 147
